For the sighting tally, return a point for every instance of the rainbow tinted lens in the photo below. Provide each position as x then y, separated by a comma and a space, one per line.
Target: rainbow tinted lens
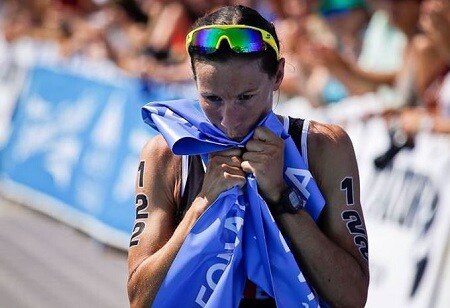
240, 40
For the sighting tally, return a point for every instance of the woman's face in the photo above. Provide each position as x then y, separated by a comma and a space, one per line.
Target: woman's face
236, 94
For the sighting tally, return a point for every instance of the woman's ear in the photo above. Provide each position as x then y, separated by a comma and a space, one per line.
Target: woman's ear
279, 75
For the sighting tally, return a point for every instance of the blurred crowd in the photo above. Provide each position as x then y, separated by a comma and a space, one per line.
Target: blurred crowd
334, 49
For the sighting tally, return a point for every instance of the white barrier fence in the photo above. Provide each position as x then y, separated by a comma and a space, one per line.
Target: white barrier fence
408, 217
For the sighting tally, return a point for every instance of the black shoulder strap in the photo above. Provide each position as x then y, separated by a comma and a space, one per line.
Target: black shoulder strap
193, 185
295, 130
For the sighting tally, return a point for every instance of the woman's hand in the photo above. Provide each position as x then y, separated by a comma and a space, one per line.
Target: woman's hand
222, 173
265, 159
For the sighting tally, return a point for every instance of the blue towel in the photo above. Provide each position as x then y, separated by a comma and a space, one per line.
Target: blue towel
236, 238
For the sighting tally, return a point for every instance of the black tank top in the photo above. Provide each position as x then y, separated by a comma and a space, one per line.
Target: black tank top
194, 184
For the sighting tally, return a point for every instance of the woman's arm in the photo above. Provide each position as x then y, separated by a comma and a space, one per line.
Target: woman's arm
156, 239
333, 254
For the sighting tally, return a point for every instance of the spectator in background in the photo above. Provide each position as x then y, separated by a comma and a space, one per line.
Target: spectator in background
384, 42
167, 30
348, 20
339, 25
143, 38
299, 26
432, 71
292, 18
402, 15
164, 57
424, 95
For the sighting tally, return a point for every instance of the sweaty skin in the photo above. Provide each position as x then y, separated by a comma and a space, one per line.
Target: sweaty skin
235, 95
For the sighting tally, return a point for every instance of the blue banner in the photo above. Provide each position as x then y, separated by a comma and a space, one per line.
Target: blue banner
78, 140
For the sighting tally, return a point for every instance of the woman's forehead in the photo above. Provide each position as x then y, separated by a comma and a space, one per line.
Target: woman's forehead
230, 69
232, 63
238, 76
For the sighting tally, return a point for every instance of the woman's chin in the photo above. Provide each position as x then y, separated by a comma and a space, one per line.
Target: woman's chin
236, 137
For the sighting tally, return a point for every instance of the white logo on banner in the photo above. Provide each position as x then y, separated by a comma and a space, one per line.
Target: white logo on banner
123, 187
54, 132
99, 161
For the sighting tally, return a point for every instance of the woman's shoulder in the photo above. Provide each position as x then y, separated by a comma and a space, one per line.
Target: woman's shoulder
158, 151
326, 130
331, 155
162, 169
328, 140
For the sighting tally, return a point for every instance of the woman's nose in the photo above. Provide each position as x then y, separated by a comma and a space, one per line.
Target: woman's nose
230, 116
